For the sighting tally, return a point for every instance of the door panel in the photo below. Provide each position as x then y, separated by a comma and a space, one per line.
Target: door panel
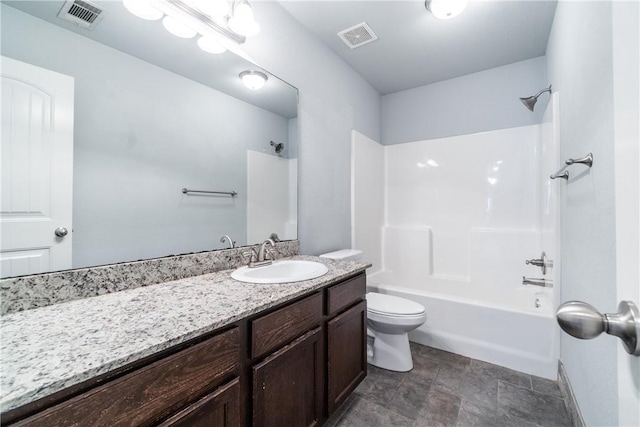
287, 386
37, 161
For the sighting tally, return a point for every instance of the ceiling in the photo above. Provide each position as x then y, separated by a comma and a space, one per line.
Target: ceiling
416, 49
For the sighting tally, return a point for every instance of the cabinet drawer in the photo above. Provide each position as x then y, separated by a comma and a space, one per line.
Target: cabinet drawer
220, 409
152, 392
278, 328
346, 293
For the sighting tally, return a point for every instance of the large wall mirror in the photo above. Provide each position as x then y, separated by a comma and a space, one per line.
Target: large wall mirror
150, 114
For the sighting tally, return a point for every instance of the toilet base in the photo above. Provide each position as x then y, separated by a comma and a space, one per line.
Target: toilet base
391, 351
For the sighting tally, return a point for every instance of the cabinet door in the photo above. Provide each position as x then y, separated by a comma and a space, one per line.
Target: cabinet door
346, 354
287, 386
219, 409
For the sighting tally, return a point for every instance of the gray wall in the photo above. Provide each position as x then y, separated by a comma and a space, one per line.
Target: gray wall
333, 100
477, 102
142, 133
579, 58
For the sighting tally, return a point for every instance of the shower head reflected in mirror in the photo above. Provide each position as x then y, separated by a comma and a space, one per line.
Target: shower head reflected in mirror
530, 101
278, 146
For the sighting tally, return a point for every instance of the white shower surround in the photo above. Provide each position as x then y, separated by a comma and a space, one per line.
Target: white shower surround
449, 222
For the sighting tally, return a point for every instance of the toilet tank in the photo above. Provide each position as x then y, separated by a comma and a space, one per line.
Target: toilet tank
344, 255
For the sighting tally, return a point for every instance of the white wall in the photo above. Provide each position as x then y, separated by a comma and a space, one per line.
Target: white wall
626, 74
268, 196
579, 65
141, 134
367, 198
483, 101
334, 99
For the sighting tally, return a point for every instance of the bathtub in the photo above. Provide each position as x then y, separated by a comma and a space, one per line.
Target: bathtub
521, 335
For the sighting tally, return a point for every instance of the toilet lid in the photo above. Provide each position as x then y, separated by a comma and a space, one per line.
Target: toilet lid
388, 304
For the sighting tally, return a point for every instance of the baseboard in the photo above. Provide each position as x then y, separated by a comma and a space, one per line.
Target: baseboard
569, 398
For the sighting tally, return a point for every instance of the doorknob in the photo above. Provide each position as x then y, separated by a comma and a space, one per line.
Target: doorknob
61, 232
582, 320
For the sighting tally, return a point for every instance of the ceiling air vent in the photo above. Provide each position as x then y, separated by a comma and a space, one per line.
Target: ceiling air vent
358, 35
82, 13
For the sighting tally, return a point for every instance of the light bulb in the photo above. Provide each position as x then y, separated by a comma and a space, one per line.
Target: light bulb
253, 80
242, 21
142, 9
211, 45
446, 9
177, 28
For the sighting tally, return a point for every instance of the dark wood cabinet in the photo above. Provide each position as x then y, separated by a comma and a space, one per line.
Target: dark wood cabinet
287, 386
219, 409
279, 327
151, 393
346, 354
291, 365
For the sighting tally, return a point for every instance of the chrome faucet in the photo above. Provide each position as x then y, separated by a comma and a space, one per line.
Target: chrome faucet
226, 238
264, 250
261, 260
537, 282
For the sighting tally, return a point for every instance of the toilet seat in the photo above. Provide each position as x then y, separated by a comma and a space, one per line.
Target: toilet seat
392, 306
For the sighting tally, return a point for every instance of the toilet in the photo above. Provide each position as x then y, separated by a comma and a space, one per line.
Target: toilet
389, 320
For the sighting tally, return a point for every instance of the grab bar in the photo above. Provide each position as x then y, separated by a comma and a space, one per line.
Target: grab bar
563, 173
230, 193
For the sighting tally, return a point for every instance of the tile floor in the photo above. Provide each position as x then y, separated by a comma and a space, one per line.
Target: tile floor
445, 389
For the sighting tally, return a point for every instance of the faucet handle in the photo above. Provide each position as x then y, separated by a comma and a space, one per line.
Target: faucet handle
248, 255
272, 252
541, 262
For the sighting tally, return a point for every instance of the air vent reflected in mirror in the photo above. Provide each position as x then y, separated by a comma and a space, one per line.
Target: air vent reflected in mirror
82, 13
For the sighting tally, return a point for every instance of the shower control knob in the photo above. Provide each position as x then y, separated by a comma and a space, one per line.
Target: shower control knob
541, 262
583, 321
61, 232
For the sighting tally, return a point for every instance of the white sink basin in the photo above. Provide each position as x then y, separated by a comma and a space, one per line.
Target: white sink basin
286, 271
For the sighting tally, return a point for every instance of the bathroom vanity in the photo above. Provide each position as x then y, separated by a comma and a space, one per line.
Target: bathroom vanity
219, 352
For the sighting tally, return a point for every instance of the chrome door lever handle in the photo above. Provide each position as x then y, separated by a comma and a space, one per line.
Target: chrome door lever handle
582, 320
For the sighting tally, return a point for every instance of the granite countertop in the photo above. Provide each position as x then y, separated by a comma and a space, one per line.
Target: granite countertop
48, 349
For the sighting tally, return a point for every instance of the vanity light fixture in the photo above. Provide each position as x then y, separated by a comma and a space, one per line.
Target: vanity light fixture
242, 21
217, 23
211, 44
446, 9
143, 9
253, 80
177, 28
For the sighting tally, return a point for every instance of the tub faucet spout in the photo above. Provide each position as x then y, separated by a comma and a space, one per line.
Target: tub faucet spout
537, 282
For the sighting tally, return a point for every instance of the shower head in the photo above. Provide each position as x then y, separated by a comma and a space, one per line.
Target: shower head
530, 101
278, 146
